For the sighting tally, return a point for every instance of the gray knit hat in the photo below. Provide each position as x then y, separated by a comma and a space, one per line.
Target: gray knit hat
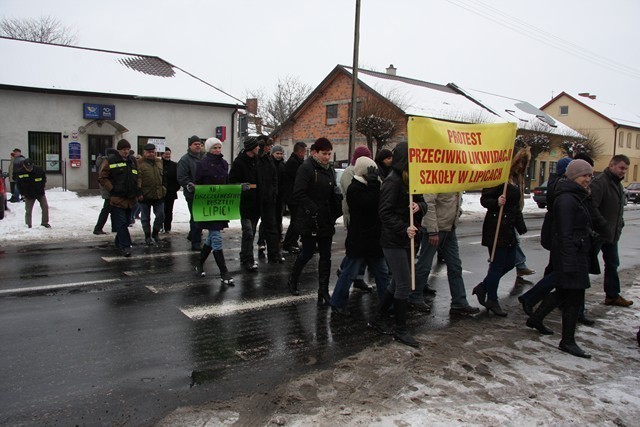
578, 167
277, 149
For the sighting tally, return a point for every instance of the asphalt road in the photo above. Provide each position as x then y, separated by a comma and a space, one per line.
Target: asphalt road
89, 337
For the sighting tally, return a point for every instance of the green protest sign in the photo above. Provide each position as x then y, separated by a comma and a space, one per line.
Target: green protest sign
216, 202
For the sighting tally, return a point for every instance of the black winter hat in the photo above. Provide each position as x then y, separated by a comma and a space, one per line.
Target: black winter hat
250, 143
123, 143
194, 138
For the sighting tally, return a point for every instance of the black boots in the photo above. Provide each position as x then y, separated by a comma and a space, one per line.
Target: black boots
546, 306
296, 270
568, 344
495, 308
155, 236
204, 254
381, 322
481, 292
324, 273
222, 265
400, 332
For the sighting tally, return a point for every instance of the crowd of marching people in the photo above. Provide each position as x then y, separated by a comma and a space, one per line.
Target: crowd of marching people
385, 225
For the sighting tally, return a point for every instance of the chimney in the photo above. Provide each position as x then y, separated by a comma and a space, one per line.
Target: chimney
252, 106
391, 70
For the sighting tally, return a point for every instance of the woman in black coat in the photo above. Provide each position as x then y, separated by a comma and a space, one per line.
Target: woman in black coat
213, 169
572, 255
396, 240
319, 205
511, 222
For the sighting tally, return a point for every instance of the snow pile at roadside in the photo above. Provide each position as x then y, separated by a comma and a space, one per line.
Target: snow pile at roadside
73, 217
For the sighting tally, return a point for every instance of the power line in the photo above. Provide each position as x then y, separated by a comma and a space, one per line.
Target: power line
518, 25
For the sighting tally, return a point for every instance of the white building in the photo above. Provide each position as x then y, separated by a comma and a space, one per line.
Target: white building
64, 105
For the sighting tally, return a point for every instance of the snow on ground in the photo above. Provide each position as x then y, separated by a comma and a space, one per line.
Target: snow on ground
74, 217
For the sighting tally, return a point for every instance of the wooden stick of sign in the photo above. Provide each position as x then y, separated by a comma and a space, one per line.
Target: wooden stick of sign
495, 237
413, 247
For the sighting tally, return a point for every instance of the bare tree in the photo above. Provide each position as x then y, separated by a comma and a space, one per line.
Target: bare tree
591, 144
379, 120
46, 29
287, 96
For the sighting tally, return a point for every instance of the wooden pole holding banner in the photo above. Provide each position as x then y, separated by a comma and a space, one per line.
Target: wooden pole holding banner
413, 246
495, 237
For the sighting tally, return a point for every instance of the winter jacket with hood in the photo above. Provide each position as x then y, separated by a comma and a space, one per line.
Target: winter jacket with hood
394, 203
120, 177
187, 171
245, 170
153, 181
512, 219
572, 230
443, 213
31, 184
363, 236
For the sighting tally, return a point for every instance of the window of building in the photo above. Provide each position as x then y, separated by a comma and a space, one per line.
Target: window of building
552, 167
629, 140
45, 149
564, 110
635, 173
621, 139
332, 114
359, 109
158, 141
543, 166
532, 170
638, 141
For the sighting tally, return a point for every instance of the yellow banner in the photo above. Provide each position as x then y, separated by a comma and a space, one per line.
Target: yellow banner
446, 157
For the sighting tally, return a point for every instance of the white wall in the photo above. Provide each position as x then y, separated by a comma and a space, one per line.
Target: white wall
21, 112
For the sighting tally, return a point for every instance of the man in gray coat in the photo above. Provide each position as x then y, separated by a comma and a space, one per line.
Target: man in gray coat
607, 195
186, 177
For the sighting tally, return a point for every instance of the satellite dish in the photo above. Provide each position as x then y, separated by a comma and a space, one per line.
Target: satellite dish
82, 129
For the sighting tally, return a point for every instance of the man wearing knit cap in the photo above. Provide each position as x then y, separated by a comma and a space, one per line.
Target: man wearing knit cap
186, 175
607, 195
153, 183
277, 155
290, 243
345, 181
119, 176
244, 170
171, 171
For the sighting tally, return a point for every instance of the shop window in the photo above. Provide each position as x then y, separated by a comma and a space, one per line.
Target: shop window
332, 114
45, 149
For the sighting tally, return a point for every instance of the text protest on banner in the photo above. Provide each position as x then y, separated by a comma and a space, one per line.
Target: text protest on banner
216, 202
446, 157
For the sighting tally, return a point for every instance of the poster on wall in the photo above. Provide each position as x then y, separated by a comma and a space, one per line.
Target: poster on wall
159, 143
52, 161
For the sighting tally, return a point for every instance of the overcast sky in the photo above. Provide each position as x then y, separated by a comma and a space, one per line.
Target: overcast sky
241, 45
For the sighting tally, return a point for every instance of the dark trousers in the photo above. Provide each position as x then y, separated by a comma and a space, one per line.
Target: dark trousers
291, 238
168, 213
103, 216
195, 233
120, 218
611, 263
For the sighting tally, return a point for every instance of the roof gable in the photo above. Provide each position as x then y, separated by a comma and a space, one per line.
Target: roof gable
50, 67
613, 113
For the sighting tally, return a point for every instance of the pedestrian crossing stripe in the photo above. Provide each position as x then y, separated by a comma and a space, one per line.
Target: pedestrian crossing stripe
228, 309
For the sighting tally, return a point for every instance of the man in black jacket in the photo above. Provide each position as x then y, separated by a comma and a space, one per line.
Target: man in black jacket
290, 243
244, 170
31, 181
607, 196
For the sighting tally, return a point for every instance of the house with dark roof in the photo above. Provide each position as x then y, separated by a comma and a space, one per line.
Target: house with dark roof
327, 112
63, 106
615, 127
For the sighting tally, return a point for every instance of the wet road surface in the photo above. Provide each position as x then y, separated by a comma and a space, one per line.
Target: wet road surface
113, 340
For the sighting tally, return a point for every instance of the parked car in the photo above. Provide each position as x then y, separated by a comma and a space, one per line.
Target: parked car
540, 195
632, 192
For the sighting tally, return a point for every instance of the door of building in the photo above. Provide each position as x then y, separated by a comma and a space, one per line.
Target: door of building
98, 145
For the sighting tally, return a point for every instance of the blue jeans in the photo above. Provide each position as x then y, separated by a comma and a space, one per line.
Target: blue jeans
214, 240
120, 218
521, 258
246, 246
611, 264
350, 270
145, 215
448, 247
503, 262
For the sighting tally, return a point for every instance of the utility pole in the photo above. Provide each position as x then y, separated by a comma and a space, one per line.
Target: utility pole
354, 85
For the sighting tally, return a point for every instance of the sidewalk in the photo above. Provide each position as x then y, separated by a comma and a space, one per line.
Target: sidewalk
485, 371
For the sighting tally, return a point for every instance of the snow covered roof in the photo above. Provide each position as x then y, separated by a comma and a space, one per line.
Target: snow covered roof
525, 115
615, 113
419, 98
50, 67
